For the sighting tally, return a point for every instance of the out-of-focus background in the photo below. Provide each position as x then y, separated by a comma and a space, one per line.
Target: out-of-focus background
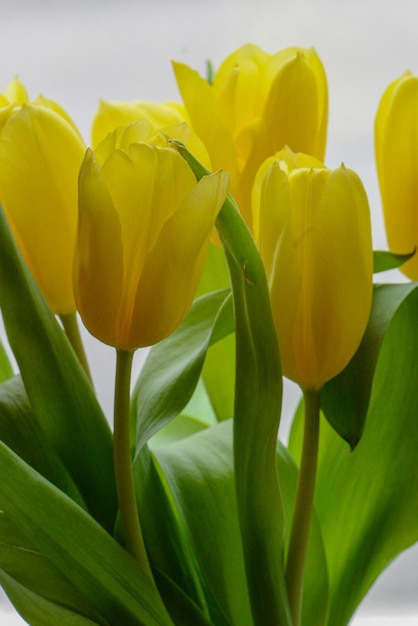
78, 51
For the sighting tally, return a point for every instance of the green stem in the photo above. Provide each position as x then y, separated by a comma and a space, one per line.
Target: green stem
304, 504
123, 463
72, 331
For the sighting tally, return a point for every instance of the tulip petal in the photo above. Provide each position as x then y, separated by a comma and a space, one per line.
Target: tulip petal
173, 267
16, 93
205, 117
98, 267
396, 130
294, 110
322, 281
111, 115
53, 106
146, 185
271, 196
40, 155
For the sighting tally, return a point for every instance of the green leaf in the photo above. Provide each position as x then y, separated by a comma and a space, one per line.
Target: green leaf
182, 611
168, 545
33, 584
199, 471
367, 500
37, 610
383, 260
345, 399
219, 367
215, 273
60, 395
258, 395
172, 369
6, 369
219, 376
20, 431
79, 548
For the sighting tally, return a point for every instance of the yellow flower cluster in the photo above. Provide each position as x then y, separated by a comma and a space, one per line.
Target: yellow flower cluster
144, 223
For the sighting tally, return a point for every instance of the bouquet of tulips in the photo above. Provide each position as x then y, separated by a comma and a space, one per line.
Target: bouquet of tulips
212, 233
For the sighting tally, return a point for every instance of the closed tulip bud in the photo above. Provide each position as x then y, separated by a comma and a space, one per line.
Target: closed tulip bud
396, 144
257, 104
144, 229
40, 155
314, 234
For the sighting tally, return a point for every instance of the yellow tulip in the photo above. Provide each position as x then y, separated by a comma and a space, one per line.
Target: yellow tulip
396, 144
40, 155
110, 115
257, 104
144, 229
314, 234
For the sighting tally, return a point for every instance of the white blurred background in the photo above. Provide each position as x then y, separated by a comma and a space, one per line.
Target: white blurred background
79, 51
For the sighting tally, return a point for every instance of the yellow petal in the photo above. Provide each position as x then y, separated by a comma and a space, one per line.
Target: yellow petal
271, 203
53, 106
111, 115
16, 92
174, 265
247, 53
321, 285
146, 185
296, 107
98, 265
396, 142
121, 138
205, 117
40, 156
183, 133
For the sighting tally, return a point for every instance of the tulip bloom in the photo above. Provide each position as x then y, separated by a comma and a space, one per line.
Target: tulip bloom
111, 115
144, 229
257, 104
314, 234
396, 144
40, 155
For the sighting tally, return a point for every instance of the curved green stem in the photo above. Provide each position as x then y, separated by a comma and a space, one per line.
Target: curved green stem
304, 504
123, 463
72, 331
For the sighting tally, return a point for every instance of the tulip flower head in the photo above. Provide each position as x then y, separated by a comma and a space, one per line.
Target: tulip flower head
314, 234
144, 229
257, 104
112, 115
40, 155
396, 145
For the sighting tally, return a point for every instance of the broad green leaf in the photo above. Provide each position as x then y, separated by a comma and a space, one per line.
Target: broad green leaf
182, 611
345, 399
219, 376
38, 611
59, 393
200, 406
258, 395
196, 415
219, 367
167, 541
215, 273
32, 581
172, 369
79, 548
383, 260
180, 427
6, 369
20, 431
200, 474
367, 500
